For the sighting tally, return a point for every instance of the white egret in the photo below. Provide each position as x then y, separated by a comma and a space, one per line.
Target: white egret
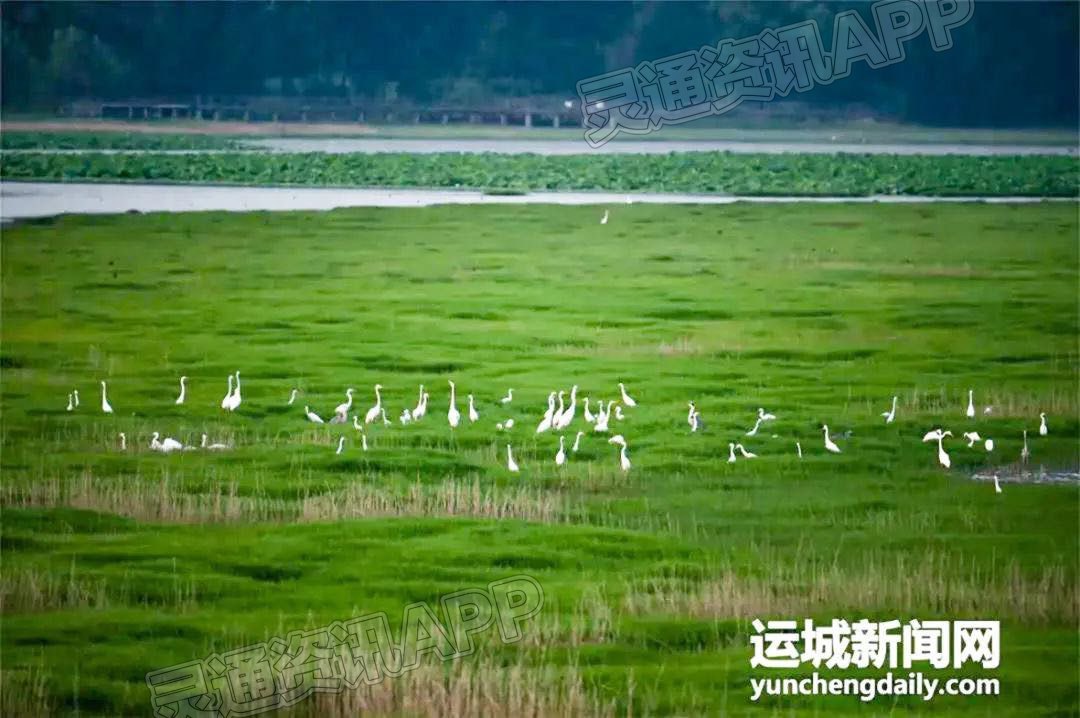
560, 458
76, 393
603, 418
1025, 454
745, 454
70, 406
421, 404
1042, 425
212, 447
105, 406
589, 418
406, 416
624, 460
798, 449
988, 410
236, 398
626, 397
452, 414
942, 457
166, 446
557, 416
545, 424
373, 412
363, 442
690, 415
339, 418
183, 390
604, 219
312, 416
510, 463
228, 395
577, 441
931, 435
385, 421
765, 416
568, 416
891, 413
499, 426
356, 423
972, 437
292, 396
753, 431
997, 485
971, 404
123, 441
989, 445
508, 398
473, 414
509, 424
695, 422
829, 445
618, 412
731, 453
340, 445
344, 408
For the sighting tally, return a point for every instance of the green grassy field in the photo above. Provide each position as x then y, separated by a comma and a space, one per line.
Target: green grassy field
119, 563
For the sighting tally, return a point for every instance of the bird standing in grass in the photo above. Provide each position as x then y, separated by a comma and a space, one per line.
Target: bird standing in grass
972, 437
510, 463
234, 404
292, 396
452, 414
798, 449
589, 418
745, 454
567, 416
971, 404
560, 457
989, 445
70, 406
731, 453
373, 412
577, 441
943, 458
312, 416
474, 416
624, 460
753, 431
508, 398
183, 390
545, 423
105, 405
829, 445
604, 219
764, 415
891, 413
630, 403
212, 447
1025, 453
1042, 425
228, 395
343, 409
997, 485
123, 441
340, 445
76, 393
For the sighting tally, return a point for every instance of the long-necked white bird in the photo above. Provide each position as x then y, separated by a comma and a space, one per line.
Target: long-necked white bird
745, 454
997, 485
931, 435
624, 460
690, 415
166, 446
604, 219
798, 449
568, 416
757, 425
312, 416
626, 397
421, 407
373, 412
509, 424
228, 395
972, 437
212, 447
183, 390
344, 407
545, 423
452, 414
558, 412
589, 418
942, 457
236, 399
508, 398
695, 422
292, 396
340, 445
1025, 453
1042, 425
603, 418
76, 393
618, 413
577, 441
971, 404
105, 405
356, 423
385, 421
560, 457
829, 445
70, 406
510, 463
764, 415
406, 416
891, 413
731, 453
474, 415
123, 441
363, 442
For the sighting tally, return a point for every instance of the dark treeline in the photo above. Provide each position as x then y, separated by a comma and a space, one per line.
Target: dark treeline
1013, 64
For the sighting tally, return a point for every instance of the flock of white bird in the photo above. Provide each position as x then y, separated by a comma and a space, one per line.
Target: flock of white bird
558, 417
